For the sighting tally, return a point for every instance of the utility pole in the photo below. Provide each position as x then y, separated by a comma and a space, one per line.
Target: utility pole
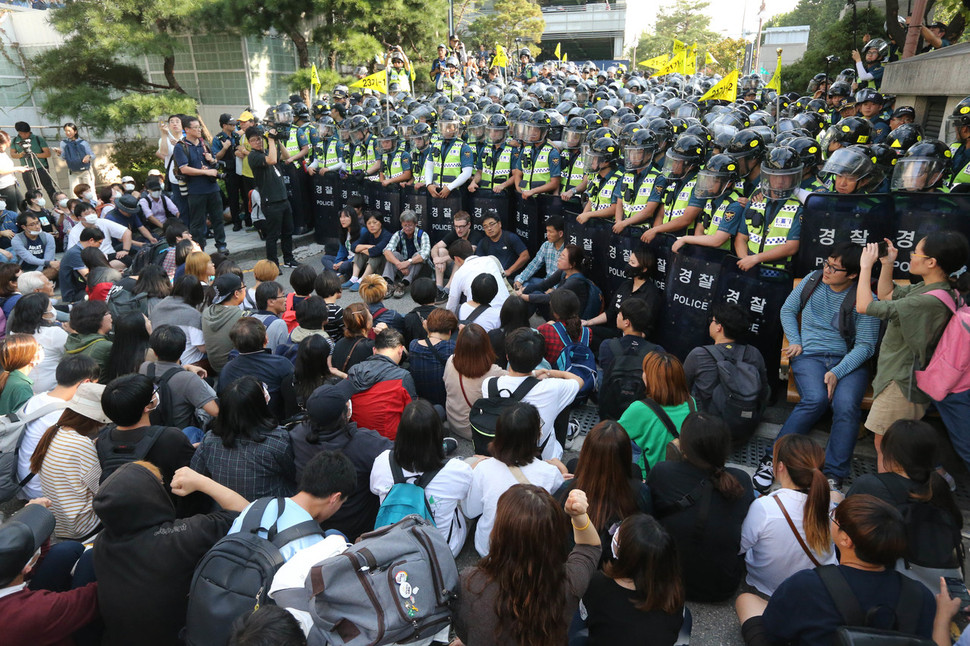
451, 17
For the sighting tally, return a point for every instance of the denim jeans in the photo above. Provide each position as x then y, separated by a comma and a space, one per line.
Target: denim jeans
809, 372
955, 411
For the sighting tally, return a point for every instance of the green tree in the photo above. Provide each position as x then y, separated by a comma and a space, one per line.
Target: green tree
728, 52
93, 76
512, 19
684, 20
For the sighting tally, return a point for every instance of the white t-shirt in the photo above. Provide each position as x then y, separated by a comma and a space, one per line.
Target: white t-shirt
172, 142
490, 479
52, 340
193, 341
32, 434
549, 396
448, 488
8, 179
771, 550
111, 230
461, 280
489, 319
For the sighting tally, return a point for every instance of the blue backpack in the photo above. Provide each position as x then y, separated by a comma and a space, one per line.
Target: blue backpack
594, 301
577, 358
405, 498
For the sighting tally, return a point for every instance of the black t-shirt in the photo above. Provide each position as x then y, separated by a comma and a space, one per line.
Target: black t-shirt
349, 351
474, 238
269, 179
615, 621
709, 555
414, 323
507, 248
648, 292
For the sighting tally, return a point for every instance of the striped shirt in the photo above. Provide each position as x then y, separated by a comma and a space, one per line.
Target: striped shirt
69, 477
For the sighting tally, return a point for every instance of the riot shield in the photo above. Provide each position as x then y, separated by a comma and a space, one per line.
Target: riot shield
387, 201
441, 211
484, 203
918, 214
831, 218
326, 208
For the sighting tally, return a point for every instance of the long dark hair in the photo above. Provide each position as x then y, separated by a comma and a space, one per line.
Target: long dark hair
952, 252
354, 230
27, 316
243, 413
129, 348
311, 369
647, 555
93, 257
69, 419
527, 562
706, 442
514, 314
418, 446
603, 472
804, 459
153, 281
565, 308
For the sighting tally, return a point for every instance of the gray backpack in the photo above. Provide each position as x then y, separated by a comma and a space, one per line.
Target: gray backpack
12, 428
396, 584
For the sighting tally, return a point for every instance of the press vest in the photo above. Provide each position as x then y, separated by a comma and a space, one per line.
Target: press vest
402, 78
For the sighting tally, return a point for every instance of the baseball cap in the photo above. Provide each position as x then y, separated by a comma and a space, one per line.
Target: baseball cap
904, 111
225, 286
20, 537
226, 118
127, 178
154, 172
246, 115
328, 401
87, 402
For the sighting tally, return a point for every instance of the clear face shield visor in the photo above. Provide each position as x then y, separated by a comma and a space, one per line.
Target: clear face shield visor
476, 134
675, 166
780, 184
573, 139
448, 129
917, 173
497, 135
711, 185
420, 142
638, 157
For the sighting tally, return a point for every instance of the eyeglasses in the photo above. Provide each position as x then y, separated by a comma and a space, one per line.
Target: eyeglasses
921, 255
275, 298
832, 517
829, 266
490, 224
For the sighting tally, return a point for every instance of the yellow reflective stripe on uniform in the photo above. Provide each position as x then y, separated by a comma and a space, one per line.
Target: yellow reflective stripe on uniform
777, 232
635, 203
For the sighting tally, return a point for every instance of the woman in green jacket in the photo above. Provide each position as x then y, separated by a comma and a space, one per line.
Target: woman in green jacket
19, 355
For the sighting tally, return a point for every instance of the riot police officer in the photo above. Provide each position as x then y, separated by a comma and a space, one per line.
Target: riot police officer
717, 183
537, 167
451, 163
959, 120
924, 168
601, 162
395, 161
675, 187
639, 178
494, 164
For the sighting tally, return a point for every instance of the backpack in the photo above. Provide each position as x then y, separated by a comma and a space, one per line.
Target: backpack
234, 577
577, 358
73, 155
12, 428
623, 384
120, 302
153, 254
163, 415
673, 452
485, 411
113, 455
737, 396
594, 300
855, 629
288, 349
405, 498
397, 584
949, 367
289, 314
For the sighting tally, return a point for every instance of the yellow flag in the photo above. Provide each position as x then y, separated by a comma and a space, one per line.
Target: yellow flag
726, 89
558, 54
500, 59
656, 62
674, 65
565, 58
314, 79
775, 82
690, 63
710, 60
679, 46
376, 82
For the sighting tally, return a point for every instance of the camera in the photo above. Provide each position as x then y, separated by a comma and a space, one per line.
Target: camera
832, 59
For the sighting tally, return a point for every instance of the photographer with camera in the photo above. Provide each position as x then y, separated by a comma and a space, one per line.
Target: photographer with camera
33, 152
263, 160
225, 144
194, 159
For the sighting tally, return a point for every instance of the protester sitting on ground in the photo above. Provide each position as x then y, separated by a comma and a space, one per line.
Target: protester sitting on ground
506, 247
90, 322
270, 304
34, 248
564, 324
546, 259
652, 426
311, 368
128, 401
129, 348
34, 315
183, 249
515, 459
180, 308
311, 316
570, 266
302, 280
219, 318
43, 611
373, 290
645, 563
101, 276
66, 463
153, 282
788, 530
328, 427
369, 250
702, 504
184, 392
513, 315
472, 363
343, 262
468, 265
443, 264
145, 557
264, 271
407, 254
418, 449
356, 344
527, 544
267, 625
914, 321
870, 536
423, 294
429, 356
73, 271
175, 233
382, 388
481, 307
19, 354
909, 481
633, 319
637, 284
604, 467
327, 287
200, 265
112, 232
275, 373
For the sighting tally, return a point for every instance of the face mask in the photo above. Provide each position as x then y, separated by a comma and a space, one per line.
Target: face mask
3, 205
115, 194
62, 203
156, 194
88, 195
91, 219
128, 187
632, 272
41, 202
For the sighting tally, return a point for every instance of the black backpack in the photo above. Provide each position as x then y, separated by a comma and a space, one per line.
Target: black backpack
153, 254
485, 411
120, 302
234, 577
113, 455
164, 413
623, 383
738, 396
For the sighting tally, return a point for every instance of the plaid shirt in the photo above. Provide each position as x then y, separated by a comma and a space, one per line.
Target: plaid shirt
547, 257
554, 345
428, 370
251, 469
421, 241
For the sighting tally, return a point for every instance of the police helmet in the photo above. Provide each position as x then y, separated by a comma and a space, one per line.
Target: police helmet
388, 138
326, 126
854, 164
925, 166
638, 152
420, 136
716, 178
475, 128
809, 150
748, 148
602, 152
904, 137
574, 134
781, 173
687, 153
449, 125
847, 132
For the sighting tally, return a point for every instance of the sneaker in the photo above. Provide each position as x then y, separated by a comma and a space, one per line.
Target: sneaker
400, 290
441, 297
237, 227
224, 250
346, 285
835, 484
450, 445
764, 475
290, 264
355, 287
951, 483
572, 429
